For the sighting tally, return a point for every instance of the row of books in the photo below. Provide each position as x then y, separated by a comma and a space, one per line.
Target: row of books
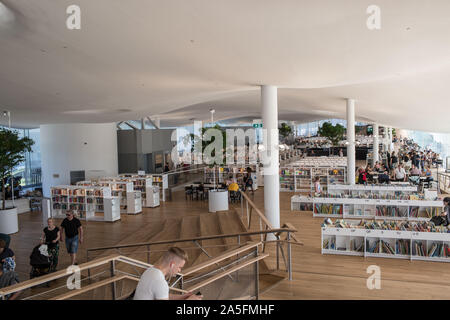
391, 211
402, 246
369, 195
380, 246
320, 208
429, 212
423, 226
329, 244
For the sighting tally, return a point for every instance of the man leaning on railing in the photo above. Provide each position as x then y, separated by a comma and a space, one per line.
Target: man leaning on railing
153, 284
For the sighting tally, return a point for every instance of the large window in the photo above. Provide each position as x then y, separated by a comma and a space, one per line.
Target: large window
29, 172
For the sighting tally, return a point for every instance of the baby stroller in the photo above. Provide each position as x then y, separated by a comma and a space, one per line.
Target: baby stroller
39, 261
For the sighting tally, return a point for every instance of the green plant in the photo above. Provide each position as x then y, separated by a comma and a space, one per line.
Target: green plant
12, 153
284, 130
334, 133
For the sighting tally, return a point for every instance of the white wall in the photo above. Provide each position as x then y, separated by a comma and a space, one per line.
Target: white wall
70, 147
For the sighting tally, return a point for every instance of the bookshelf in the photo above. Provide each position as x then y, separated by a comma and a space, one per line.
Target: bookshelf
287, 179
301, 179
142, 183
373, 191
86, 201
403, 242
379, 209
162, 182
130, 200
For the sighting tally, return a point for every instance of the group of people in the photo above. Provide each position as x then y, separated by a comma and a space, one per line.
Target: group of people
70, 232
408, 164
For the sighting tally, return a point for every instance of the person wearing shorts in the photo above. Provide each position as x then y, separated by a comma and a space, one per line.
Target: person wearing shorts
74, 235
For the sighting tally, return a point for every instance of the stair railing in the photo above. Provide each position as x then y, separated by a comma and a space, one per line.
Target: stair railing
265, 225
287, 231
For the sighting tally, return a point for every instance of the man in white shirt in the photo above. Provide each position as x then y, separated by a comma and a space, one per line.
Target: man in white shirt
153, 284
400, 173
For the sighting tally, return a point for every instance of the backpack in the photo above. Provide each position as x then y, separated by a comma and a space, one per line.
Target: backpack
438, 220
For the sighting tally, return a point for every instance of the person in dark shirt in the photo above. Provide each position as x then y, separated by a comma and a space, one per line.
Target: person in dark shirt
7, 257
166, 167
74, 234
51, 236
384, 177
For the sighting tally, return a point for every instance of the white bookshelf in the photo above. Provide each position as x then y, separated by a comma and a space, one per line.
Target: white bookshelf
161, 181
411, 210
346, 241
142, 183
86, 201
301, 179
372, 191
125, 191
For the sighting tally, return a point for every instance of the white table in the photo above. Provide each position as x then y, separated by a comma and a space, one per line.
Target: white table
9, 223
218, 200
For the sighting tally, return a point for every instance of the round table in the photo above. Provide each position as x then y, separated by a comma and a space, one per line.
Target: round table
218, 200
9, 223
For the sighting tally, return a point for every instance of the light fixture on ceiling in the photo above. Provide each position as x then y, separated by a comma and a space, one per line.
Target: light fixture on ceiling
7, 113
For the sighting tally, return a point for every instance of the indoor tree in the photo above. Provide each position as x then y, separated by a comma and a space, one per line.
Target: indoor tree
285, 130
12, 153
334, 133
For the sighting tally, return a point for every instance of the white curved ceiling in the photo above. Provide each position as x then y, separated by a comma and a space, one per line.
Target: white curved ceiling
178, 58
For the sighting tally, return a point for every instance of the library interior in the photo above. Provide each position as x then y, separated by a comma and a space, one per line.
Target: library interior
224, 150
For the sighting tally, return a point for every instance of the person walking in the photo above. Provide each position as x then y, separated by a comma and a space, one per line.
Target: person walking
74, 234
153, 284
50, 237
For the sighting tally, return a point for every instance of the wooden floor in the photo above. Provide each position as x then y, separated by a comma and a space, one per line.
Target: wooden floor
315, 276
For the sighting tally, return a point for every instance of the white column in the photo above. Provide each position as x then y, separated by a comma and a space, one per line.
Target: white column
376, 143
76, 147
271, 163
351, 141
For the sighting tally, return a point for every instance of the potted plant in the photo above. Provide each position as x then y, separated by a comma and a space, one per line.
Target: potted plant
12, 153
334, 133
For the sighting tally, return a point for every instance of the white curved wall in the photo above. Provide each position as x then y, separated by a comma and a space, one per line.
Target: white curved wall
70, 147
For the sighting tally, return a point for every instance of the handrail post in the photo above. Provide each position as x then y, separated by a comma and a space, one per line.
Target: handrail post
256, 275
248, 218
113, 284
260, 229
89, 270
278, 254
289, 255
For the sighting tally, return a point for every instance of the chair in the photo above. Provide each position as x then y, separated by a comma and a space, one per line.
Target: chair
201, 192
188, 192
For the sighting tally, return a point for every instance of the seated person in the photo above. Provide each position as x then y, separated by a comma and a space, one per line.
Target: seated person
383, 177
233, 186
8, 278
414, 171
400, 173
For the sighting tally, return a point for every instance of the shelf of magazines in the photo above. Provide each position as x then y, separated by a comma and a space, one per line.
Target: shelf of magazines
351, 237
381, 209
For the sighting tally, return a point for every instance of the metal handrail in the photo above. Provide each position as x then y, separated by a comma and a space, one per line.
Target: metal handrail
232, 235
